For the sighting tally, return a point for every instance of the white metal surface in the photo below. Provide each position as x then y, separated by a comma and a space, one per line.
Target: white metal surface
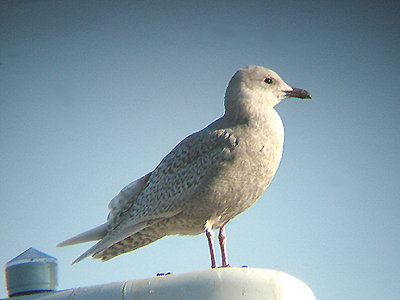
216, 284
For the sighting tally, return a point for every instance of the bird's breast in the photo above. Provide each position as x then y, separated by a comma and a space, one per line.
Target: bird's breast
243, 178
259, 150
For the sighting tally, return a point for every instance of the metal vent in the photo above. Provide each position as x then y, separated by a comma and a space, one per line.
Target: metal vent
31, 272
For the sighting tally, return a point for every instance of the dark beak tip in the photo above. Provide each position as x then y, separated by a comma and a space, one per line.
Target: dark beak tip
298, 93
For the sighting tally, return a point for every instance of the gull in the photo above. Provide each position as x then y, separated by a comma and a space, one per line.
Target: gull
209, 178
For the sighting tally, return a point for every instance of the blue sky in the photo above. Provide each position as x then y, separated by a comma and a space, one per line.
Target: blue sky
93, 94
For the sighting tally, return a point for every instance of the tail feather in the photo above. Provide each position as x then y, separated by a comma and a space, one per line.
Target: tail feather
93, 234
90, 251
114, 238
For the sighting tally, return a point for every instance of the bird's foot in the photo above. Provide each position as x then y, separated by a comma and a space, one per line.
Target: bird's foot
225, 266
229, 266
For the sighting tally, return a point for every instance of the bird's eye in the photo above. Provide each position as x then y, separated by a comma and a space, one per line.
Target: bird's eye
268, 80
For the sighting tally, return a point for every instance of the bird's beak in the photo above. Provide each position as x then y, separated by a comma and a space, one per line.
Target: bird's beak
297, 93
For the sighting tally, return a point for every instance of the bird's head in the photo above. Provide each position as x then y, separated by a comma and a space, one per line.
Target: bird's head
257, 86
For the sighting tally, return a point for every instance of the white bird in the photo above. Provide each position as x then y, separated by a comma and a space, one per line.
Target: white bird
208, 179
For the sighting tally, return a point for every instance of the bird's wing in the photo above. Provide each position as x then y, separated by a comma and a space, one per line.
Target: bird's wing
161, 193
126, 197
121, 233
179, 174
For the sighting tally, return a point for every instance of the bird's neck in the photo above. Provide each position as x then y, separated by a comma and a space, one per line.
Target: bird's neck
254, 114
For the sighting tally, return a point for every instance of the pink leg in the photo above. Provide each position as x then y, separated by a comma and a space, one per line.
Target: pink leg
222, 244
210, 239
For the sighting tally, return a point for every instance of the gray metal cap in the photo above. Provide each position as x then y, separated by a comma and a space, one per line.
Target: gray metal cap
31, 272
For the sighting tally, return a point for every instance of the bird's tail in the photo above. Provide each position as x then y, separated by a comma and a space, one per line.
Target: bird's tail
93, 234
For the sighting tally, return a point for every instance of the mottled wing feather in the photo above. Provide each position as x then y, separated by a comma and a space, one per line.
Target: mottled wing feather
178, 175
165, 189
142, 238
121, 233
125, 198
